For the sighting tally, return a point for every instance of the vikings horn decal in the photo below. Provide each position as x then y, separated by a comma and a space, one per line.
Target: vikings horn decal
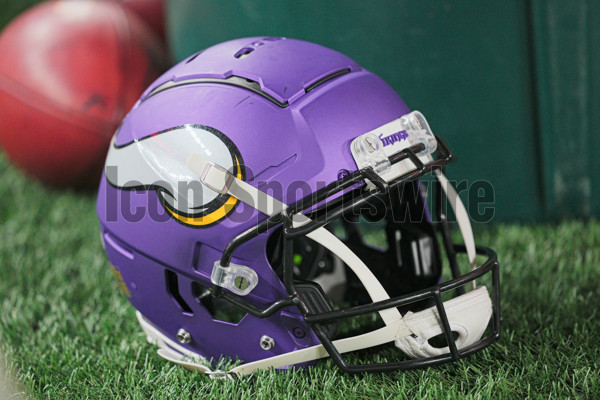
158, 162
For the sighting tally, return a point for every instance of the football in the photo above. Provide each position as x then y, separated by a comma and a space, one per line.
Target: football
69, 72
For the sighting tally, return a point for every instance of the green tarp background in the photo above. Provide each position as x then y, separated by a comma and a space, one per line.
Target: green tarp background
509, 85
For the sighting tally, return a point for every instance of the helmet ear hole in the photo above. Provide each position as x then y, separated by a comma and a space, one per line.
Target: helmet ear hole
310, 259
219, 310
173, 289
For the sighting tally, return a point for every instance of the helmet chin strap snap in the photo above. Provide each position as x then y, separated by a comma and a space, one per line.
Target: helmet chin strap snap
468, 315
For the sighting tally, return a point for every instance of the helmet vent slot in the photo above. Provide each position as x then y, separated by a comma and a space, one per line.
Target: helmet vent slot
233, 80
249, 48
173, 290
219, 309
192, 58
326, 78
244, 52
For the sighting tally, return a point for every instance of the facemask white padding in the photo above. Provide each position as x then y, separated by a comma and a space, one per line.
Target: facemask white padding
468, 316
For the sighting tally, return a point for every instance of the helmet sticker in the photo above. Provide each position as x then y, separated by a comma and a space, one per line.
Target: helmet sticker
158, 162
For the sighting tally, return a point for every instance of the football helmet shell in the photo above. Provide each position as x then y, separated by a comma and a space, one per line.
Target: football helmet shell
254, 147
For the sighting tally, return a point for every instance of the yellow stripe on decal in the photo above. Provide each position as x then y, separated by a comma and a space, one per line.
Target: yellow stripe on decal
120, 281
214, 216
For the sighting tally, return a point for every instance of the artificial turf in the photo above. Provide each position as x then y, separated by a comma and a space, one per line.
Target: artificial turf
66, 332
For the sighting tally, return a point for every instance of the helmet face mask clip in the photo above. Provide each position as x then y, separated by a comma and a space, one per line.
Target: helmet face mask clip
298, 263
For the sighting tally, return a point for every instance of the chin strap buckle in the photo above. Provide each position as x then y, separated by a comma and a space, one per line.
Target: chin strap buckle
193, 364
211, 175
236, 278
220, 374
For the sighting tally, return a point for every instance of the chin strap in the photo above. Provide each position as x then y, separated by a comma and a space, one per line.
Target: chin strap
220, 180
174, 352
464, 222
468, 314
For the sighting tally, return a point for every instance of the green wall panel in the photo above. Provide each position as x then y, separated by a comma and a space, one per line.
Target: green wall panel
489, 76
564, 48
594, 106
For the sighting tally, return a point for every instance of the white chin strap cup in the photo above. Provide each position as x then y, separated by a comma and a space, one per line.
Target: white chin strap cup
468, 316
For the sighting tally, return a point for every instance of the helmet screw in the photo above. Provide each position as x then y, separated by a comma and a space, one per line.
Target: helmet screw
371, 144
267, 343
299, 332
184, 336
342, 173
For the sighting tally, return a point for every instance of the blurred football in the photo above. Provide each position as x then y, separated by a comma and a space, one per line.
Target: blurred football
151, 11
69, 71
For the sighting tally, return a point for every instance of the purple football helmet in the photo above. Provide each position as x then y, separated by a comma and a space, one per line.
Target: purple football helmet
263, 201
